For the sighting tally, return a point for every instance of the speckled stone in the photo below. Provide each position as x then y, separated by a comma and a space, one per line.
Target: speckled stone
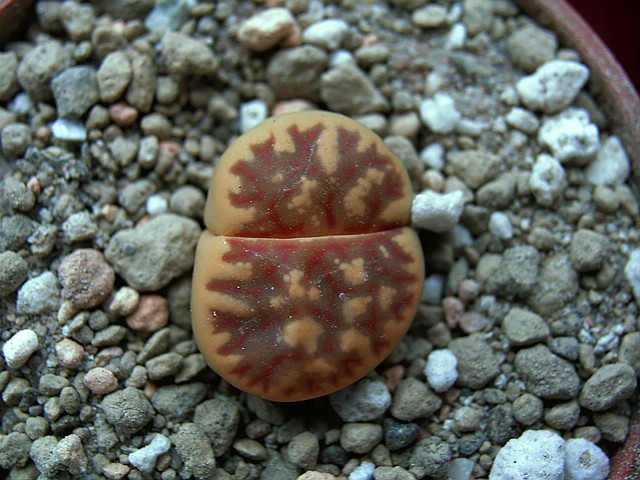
87, 279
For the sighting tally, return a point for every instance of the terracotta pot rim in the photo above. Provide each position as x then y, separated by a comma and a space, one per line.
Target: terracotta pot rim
609, 83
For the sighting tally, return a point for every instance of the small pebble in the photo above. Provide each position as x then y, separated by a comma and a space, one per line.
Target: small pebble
39, 295
437, 212
535, 454
156, 204
15, 139
632, 272
360, 437
363, 401
364, 471
128, 410
69, 353
100, 381
588, 250
583, 460
19, 348
125, 301
440, 370
553, 86
150, 315
86, 277
185, 56
145, 458
250, 449
303, 450
523, 327
327, 34
500, 226
570, 135
611, 165
439, 113
13, 272
609, 385
122, 114
547, 179
528, 409
68, 130
252, 113
71, 455
266, 29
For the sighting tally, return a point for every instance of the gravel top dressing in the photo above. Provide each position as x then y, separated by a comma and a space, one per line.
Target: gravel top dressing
523, 357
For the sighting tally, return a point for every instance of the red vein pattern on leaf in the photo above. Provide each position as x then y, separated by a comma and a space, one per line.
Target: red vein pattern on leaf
273, 178
259, 337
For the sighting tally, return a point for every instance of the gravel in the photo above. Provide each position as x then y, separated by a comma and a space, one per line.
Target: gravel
112, 118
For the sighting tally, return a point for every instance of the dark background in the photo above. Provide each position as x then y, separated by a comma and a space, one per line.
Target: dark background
617, 23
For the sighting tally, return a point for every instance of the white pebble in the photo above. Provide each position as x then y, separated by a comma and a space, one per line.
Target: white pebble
460, 469
584, 459
156, 204
441, 369
363, 472
437, 212
68, 130
39, 295
457, 36
611, 166
569, 135
327, 34
553, 86
433, 287
500, 225
19, 348
251, 114
145, 458
433, 156
363, 401
547, 179
632, 272
523, 120
439, 113
340, 57
535, 454
266, 29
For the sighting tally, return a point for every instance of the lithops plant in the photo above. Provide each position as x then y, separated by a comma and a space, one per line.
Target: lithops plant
307, 274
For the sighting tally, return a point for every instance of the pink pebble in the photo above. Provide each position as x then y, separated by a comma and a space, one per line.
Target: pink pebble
100, 381
122, 114
453, 310
151, 315
70, 354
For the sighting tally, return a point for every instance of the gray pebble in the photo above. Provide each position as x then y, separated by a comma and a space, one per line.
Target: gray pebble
164, 365
75, 91
186, 56
501, 425
477, 16
497, 194
149, 256
303, 450
363, 401
557, 285
156, 125
398, 435
14, 450
148, 152
114, 76
528, 409
156, 344
545, 374
517, 273
77, 19
123, 149
187, 201
134, 196
295, 72
112, 335
609, 385
39, 295
194, 448
8, 80
613, 426
70, 400
44, 455
15, 196
413, 399
128, 410
13, 272
266, 410
219, 420
629, 352
468, 418
477, 363
474, 167
429, 458
16, 137
566, 347
178, 401
531, 46
40, 65
15, 390
251, 449
360, 437
79, 227
523, 327
563, 416
588, 250
50, 384
347, 89
142, 89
